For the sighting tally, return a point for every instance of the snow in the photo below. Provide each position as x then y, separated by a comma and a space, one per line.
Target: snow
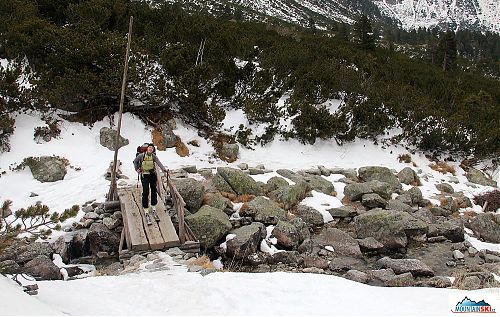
166, 292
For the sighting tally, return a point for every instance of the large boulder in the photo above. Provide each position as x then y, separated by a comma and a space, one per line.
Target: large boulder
400, 266
169, 138
274, 183
478, 177
209, 225
229, 152
343, 244
355, 191
311, 216
264, 210
108, 139
192, 192
290, 234
219, 183
407, 176
391, 228
486, 226
246, 240
42, 268
289, 196
383, 174
343, 212
47, 168
240, 183
316, 182
218, 201
25, 253
101, 238
452, 229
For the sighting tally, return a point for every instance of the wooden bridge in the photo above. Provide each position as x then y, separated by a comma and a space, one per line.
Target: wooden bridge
137, 235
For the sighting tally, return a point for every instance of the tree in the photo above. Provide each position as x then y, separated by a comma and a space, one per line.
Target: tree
363, 33
448, 51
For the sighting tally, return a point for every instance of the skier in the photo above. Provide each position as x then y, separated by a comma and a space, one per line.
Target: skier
144, 164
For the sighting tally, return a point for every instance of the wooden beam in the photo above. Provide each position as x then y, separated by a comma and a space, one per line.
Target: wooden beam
134, 220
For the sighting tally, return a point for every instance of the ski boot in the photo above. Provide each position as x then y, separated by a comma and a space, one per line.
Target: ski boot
155, 214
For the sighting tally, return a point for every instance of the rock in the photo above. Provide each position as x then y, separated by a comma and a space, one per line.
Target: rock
111, 223
243, 166
117, 215
462, 201
209, 225
190, 169
313, 270
445, 188
369, 244
61, 247
343, 212
27, 252
240, 183
478, 177
309, 215
391, 228
100, 238
415, 194
264, 210
452, 229
274, 183
221, 185
399, 266
286, 257
490, 258
192, 191
169, 139
314, 261
349, 173
472, 251
357, 276
246, 241
457, 255
288, 196
206, 173
342, 243
373, 201
401, 280
108, 139
10, 267
383, 275
471, 282
356, 190
407, 176
91, 215
436, 239
405, 198
256, 171
47, 168
450, 204
382, 174
346, 263
439, 282
486, 226
218, 201
324, 171
316, 182
229, 152
309, 246
290, 235
398, 205
438, 211
313, 171
42, 268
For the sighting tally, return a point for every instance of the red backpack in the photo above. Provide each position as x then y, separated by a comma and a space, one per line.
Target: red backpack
143, 148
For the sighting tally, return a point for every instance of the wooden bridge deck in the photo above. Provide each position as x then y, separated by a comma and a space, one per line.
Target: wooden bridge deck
137, 233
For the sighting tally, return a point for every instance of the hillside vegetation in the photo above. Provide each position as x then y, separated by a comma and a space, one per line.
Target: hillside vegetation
73, 52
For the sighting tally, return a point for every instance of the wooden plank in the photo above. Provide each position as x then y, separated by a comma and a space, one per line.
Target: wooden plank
125, 230
166, 227
134, 221
122, 238
152, 231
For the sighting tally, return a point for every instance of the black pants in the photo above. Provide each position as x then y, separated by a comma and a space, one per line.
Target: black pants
149, 180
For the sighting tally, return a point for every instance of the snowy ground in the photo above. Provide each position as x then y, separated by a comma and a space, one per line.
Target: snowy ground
177, 292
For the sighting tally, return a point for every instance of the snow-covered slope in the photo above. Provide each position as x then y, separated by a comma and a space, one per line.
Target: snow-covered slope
458, 14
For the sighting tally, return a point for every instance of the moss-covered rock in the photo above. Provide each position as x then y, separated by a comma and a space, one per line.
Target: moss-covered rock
209, 225
290, 196
264, 210
241, 183
192, 192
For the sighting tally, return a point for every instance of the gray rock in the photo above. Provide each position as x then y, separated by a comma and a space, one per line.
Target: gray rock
457, 255
478, 177
471, 283
169, 138
373, 201
445, 188
391, 228
61, 247
346, 263
356, 190
243, 166
206, 173
401, 280
399, 266
462, 200
111, 223
324, 171
286, 257
450, 204
316, 182
438, 211
209, 225
221, 185
343, 212
313, 171
192, 191
357, 276
229, 152
407, 176
172, 124
382, 174
452, 229
218, 201
246, 241
311, 216
42, 268
290, 234
24, 253
486, 226
108, 138
117, 215
369, 244
255, 171
415, 194
190, 169
10, 267
313, 270
405, 198
274, 183
439, 282
349, 173
342, 243
47, 168
264, 210
383, 275
472, 251
398, 205
315, 261
240, 183
100, 238
289, 196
